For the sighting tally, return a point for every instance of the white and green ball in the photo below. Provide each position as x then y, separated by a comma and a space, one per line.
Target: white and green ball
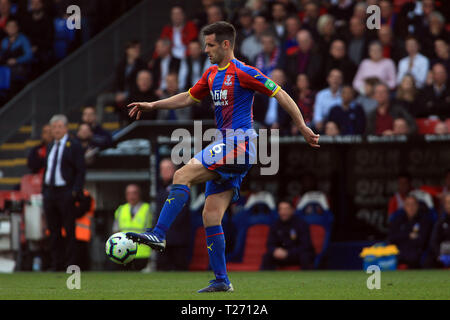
120, 249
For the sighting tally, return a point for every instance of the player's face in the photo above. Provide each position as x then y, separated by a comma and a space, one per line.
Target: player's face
213, 49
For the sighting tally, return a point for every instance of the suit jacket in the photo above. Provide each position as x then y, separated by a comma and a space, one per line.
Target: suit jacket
260, 107
174, 66
313, 70
124, 82
72, 165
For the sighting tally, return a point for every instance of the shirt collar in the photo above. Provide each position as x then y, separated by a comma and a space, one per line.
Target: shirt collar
63, 139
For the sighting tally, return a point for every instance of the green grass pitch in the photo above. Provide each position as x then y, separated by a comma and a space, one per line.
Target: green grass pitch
281, 285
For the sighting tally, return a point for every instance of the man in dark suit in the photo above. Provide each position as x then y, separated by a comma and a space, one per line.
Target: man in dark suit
305, 60
63, 184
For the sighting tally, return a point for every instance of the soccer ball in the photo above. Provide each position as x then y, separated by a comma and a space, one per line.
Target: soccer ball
120, 249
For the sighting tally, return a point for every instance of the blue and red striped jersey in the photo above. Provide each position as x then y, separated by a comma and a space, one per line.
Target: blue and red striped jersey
232, 89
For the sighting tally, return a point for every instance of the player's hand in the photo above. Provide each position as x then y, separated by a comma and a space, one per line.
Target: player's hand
310, 137
138, 107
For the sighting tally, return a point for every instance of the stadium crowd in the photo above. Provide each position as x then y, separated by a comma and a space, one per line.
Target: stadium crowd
345, 77
34, 36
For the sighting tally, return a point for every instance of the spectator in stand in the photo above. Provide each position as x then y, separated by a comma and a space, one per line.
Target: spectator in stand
289, 242
244, 27
16, 53
442, 52
278, 15
180, 32
434, 99
388, 16
327, 98
381, 120
327, 34
365, 98
36, 158
38, 26
337, 59
415, 63
404, 186
305, 98
176, 254
409, 230
435, 30
399, 127
393, 47
257, 7
331, 129
414, 16
357, 41
193, 66
290, 5
269, 58
310, 18
84, 136
101, 138
124, 79
5, 15
199, 17
440, 235
342, 11
349, 116
164, 64
375, 66
268, 112
406, 94
290, 44
306, 59
171, 90
215, 13
251, 46
144, 92
441, 128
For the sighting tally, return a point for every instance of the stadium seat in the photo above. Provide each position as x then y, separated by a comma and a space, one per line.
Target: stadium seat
313, 208
426, 202
426, 126
63, 38
31, 184
5, 78
258, 210
254, 249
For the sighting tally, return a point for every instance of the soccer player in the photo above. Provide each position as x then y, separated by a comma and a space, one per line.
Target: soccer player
232, 85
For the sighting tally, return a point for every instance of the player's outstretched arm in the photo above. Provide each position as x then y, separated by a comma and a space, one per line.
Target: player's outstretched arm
291, 108
177, 101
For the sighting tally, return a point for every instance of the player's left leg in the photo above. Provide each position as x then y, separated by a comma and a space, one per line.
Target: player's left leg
213, 211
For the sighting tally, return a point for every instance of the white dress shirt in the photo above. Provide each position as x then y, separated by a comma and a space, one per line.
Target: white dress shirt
59, 180
419, 70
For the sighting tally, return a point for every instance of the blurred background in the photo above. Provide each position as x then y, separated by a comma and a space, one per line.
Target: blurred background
380, 99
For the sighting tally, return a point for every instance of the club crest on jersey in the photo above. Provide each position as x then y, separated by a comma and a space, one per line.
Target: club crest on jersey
229, 80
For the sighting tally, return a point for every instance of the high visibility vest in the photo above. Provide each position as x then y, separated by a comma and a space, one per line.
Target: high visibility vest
83, 224
141, 220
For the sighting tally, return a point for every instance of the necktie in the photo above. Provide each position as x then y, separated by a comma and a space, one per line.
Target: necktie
55, 161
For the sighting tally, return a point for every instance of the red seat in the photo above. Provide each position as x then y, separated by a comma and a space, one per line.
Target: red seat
426, 126
31, 184
200, 258
317, 234
255, 248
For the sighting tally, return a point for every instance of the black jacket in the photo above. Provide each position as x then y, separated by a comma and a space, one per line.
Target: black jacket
441, 233
292, 235
430, 103
72, 165
411, 250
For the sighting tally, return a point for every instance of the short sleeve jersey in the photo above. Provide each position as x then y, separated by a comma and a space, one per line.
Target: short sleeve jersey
232, 89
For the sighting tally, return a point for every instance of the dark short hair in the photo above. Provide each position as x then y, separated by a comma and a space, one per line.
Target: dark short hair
223, 31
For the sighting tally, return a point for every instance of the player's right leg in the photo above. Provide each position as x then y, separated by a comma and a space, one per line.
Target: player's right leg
190, 174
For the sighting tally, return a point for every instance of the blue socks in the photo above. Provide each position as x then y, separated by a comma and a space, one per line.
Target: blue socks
215, 242
178, 197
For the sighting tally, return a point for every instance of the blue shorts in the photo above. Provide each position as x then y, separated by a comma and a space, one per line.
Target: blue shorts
231, 158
